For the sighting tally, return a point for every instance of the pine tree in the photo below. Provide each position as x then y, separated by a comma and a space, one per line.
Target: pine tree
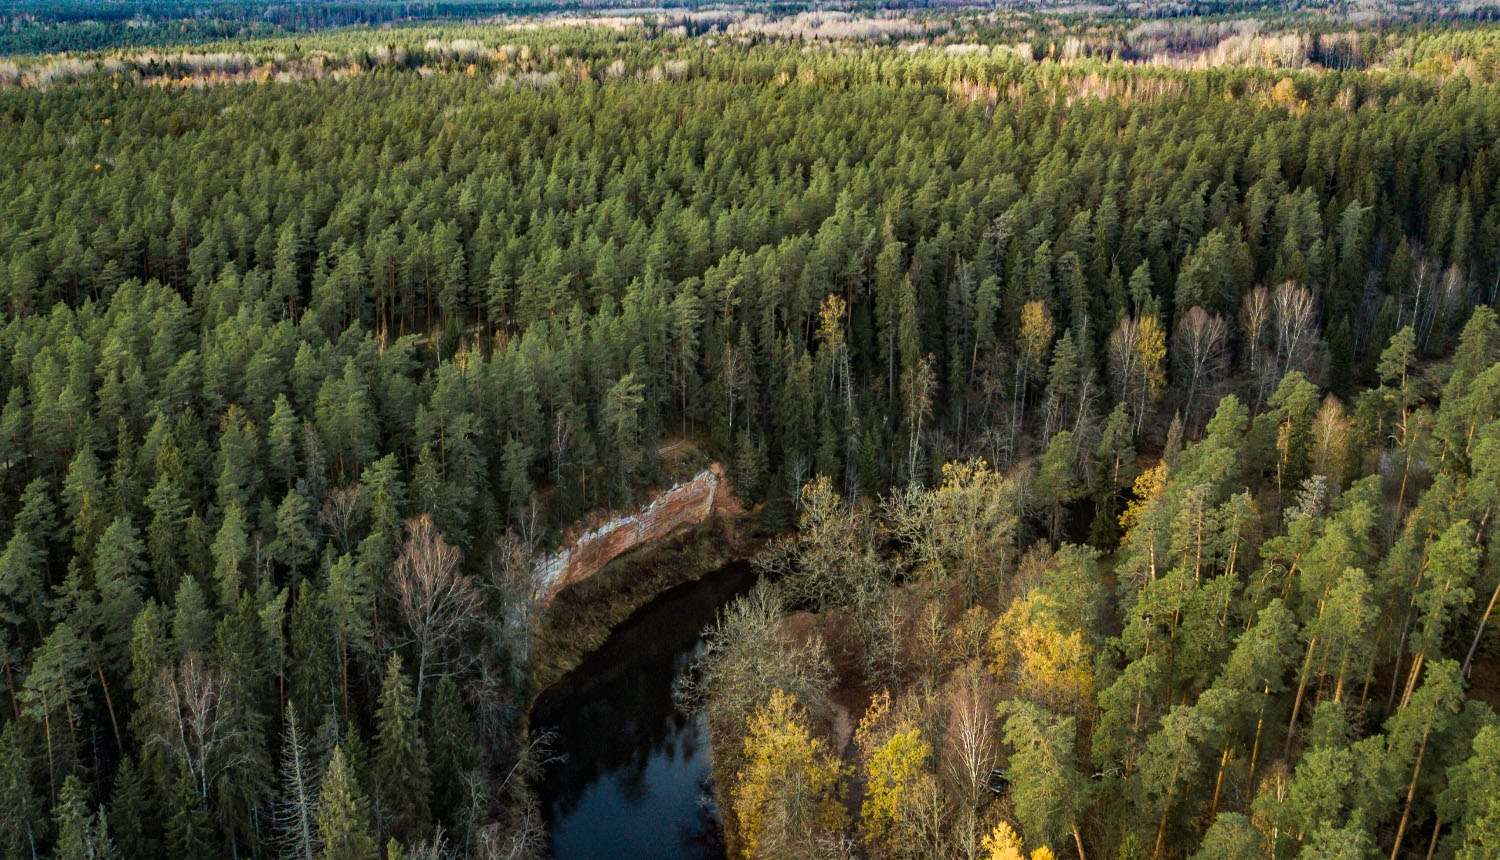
1049, 792
1231, 837
22, 583
53, 693
86, 500
350, 602
1170, 765
1431, 711
1474, 788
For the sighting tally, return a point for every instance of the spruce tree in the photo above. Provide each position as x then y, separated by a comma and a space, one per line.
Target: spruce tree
401, 773
192, 623
189, 830
81, 835
19, 806
343, 817
134, 813
230, 550
451, 750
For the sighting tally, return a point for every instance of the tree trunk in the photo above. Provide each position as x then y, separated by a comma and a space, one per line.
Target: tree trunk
1411, 793
1411, 678
1219, 781
1301, 690
1390, 700
51, 763
421, 676
10, 683
1260, 724
1479, 634
110, 705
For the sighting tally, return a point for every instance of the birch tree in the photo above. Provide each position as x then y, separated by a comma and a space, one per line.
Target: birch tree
438, 603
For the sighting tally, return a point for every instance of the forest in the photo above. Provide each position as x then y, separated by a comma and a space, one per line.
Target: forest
1121, 396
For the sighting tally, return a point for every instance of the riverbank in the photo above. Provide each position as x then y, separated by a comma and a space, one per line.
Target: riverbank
637, 772
582, 615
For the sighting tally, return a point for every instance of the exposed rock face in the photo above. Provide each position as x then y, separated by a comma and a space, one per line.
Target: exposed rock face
686, 504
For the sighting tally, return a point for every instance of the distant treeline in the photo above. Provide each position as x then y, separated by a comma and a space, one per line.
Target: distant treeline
84, 25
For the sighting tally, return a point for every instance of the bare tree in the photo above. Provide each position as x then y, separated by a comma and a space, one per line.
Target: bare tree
295, 828
746, 655
969, 752
1137, 352
192, 723
520, 591
523, 836
437, 602
1198, 351
519, 833
918, 384
336, 518
1294, 324
560, 442
1422, 305
1331, 440
1255, 326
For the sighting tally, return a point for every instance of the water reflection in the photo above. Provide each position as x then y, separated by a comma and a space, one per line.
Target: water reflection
635, 780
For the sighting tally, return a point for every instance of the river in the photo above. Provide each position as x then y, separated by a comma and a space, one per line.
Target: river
634, 781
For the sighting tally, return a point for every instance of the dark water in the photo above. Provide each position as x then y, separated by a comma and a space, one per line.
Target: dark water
634, 783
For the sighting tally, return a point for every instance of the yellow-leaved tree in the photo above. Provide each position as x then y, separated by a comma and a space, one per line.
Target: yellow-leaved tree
787, 796
898, 771
905, 812
1050, 661
1146, 524
1004, 843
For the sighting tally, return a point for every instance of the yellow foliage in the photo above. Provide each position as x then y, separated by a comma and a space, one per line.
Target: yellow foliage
869, 734
790, 783
1285, 93
1050, 664
1148, 488
1151, 346
897, 771
1036, 333
1003, 843
1331, 439
971, 635
831, 322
